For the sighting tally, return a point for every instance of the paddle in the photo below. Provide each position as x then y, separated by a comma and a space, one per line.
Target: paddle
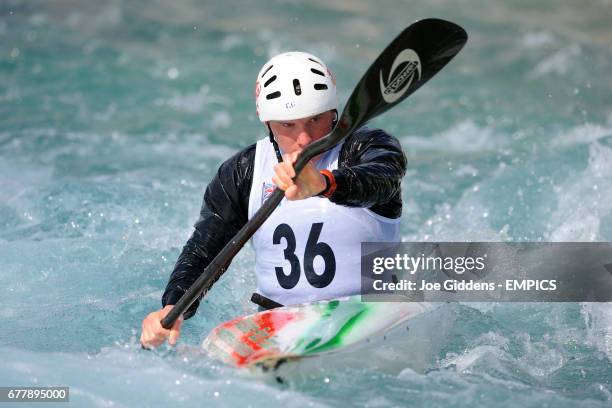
412, 58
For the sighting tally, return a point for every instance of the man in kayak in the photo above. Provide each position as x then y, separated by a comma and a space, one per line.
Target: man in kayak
309, 248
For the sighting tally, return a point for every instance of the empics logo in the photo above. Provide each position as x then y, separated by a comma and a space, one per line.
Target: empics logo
397, 84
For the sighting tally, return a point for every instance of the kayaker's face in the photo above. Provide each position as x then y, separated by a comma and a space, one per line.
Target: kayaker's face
295, 135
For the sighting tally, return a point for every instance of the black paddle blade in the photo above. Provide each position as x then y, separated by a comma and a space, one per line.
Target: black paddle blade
415, 56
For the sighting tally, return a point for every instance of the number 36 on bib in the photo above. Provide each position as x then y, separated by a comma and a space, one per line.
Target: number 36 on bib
313, 249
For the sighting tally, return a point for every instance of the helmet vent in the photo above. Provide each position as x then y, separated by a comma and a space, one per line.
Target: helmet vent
296, 87
316, 71
320, 87
273, 95
315, 61
266, 71
269, 81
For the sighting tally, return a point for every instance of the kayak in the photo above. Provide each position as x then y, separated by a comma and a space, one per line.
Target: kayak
266, 341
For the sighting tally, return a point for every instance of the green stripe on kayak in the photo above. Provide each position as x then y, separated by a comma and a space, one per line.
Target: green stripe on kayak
336, 341
327, 309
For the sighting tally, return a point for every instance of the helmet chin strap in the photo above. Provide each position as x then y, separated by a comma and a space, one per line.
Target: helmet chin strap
279, 156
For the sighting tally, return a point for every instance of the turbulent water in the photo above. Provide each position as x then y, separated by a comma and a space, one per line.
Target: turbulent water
115, 115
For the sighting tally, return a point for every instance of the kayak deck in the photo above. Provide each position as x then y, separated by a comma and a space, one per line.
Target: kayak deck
271, 337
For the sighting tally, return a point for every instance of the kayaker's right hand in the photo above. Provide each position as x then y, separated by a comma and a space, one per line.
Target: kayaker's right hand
153, 334
309, 182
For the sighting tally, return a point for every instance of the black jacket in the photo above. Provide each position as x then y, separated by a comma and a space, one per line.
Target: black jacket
371, 165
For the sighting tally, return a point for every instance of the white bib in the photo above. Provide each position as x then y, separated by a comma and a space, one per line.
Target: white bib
310, 249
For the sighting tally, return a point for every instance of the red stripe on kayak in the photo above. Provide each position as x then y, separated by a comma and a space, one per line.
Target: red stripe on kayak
265, 325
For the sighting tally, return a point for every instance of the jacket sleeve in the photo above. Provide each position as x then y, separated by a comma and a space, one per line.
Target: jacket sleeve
371, 166
224, 211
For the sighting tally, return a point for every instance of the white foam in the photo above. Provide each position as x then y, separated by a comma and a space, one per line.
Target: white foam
583, 134
598, 319
467, 220
127, 376
538, 39
463, 137
16, 180
539, 358
466, 170
191, 102
221, 120
231, 41
584, 200
463, 362
559, 63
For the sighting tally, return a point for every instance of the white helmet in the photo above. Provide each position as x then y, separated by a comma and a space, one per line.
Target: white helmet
294, 85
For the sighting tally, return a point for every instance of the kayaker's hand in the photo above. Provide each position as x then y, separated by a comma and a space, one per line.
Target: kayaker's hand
153, 334
309, 183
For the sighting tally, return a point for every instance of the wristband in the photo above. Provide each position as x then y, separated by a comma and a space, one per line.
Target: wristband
330, 183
